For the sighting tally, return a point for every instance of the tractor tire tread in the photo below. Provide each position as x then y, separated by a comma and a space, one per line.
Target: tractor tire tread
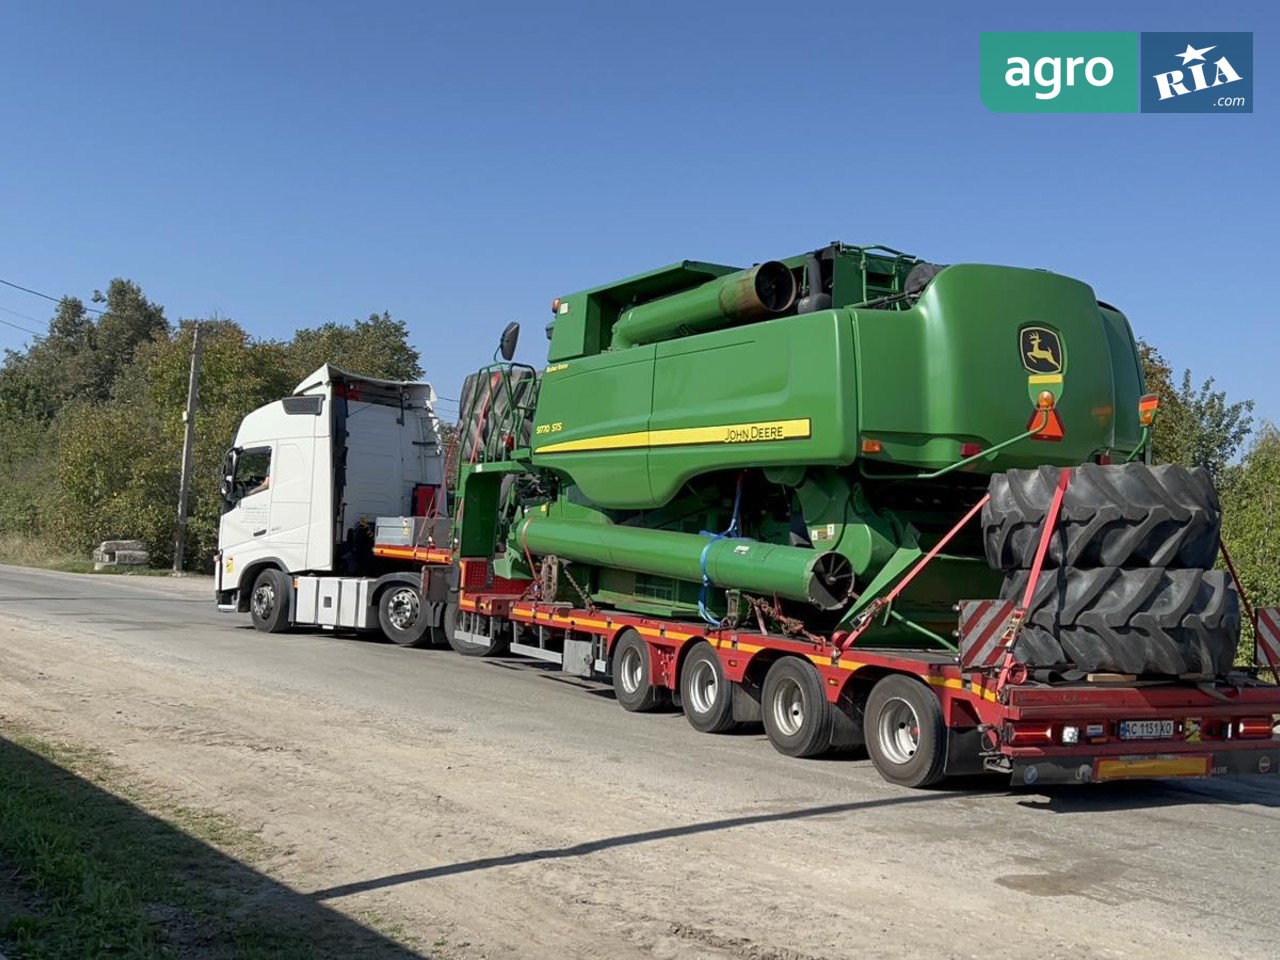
1125, 515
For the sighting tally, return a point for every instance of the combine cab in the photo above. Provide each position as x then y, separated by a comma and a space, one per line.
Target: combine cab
868, 501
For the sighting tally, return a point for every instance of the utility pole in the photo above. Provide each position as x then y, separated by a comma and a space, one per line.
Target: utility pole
188, 449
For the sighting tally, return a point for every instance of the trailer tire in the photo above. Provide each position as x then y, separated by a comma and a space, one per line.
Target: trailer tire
458, 621
404, 618
794, 706
905, 733
705, 694
1143, 622
632, 685
1126, 515
269, 601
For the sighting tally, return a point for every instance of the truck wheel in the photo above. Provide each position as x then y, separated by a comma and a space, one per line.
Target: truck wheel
269, 602
458, 622
403, 616
797, 717
631, 683
706, 695
905, 734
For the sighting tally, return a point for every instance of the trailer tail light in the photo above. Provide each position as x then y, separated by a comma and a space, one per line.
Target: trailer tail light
1253, 728
970, 449
1028, 734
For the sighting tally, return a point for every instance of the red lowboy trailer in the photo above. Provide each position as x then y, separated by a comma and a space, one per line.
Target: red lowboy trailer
922, 715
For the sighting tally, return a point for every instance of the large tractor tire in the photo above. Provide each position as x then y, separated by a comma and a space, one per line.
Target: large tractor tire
1143, 622
1126, 515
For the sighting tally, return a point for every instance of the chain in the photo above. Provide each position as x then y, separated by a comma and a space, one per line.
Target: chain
564, 568
547, 584
773, 613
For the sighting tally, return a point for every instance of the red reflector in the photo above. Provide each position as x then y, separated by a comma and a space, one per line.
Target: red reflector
1253, 728
1052, 430
970, 449
1104, 459
1028, 734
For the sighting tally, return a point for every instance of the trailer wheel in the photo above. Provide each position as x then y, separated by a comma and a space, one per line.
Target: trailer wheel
905, 733
269, 602
705, 694
631, 683
794, 707
458, 622
404, 617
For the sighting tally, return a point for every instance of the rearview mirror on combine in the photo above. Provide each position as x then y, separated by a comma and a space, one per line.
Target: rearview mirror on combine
507, 345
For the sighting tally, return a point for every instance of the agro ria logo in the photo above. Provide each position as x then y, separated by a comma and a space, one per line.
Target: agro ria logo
1174, 83
1197, 73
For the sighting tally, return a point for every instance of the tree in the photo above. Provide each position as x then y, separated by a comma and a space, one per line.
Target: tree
129, 321
80, 357
1251, 525
53, 370
1198, 427
377, 347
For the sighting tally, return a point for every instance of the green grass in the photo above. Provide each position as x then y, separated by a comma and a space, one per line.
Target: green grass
26, 552
96, 863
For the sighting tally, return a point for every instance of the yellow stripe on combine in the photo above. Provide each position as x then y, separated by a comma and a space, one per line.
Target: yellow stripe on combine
758, 432
1045, 378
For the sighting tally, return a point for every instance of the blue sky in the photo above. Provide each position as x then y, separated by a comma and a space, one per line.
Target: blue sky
460, 165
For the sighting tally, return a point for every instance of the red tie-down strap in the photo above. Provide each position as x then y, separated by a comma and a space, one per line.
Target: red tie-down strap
1010, 666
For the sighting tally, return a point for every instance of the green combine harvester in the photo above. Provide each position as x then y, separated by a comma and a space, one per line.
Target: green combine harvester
711, 444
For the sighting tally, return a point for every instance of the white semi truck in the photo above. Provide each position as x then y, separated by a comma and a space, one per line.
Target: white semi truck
335, 512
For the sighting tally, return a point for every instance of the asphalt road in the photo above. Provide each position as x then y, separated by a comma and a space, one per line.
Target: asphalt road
506, 810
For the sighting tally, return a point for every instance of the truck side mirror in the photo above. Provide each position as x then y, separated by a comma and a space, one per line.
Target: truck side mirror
226, 489
507, 345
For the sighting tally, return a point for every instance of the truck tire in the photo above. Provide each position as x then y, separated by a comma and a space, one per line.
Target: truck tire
905, 733
705, 694
404, 618
631, 681
269, 601
794, 706
1125, 515
1144, 622
458, 621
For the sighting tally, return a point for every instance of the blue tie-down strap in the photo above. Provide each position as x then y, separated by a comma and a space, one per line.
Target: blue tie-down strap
704, 590
733, 531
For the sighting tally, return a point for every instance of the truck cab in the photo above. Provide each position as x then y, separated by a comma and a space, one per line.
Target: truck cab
310, 485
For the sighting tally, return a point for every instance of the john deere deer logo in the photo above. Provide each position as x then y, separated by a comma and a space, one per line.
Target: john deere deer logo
1041, 350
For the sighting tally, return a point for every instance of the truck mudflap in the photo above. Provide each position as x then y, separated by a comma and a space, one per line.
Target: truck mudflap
1037, 771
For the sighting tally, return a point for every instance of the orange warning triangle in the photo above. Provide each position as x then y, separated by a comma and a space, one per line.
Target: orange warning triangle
1052, 430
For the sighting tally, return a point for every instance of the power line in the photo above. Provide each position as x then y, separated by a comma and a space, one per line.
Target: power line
18, 326
37, 293
24, 316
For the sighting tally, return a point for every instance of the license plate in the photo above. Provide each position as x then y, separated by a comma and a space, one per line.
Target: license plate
1146, 729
